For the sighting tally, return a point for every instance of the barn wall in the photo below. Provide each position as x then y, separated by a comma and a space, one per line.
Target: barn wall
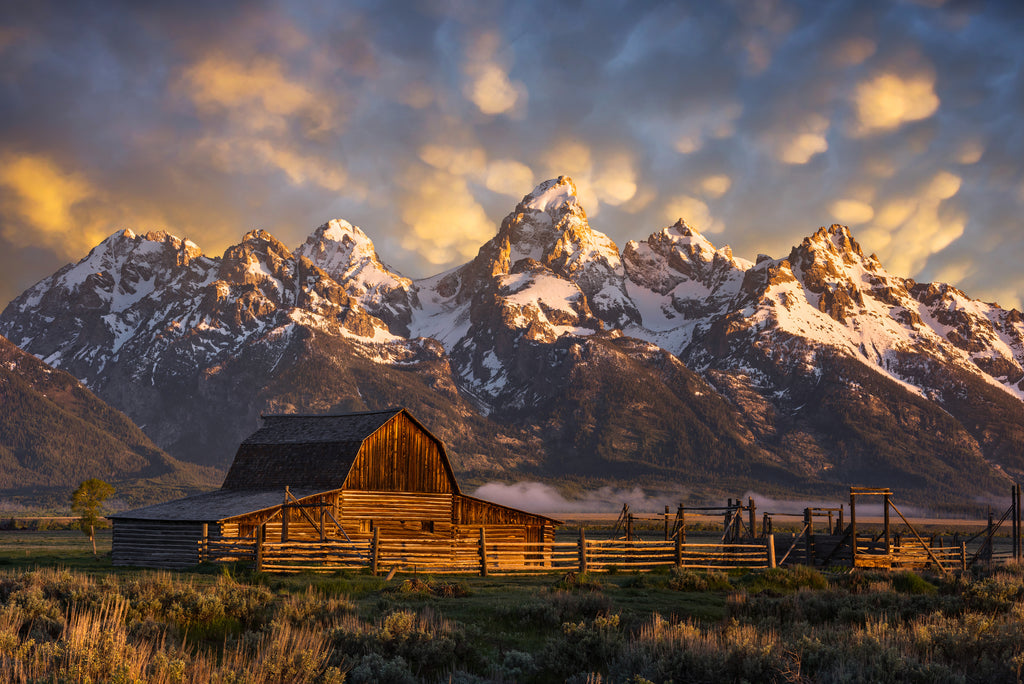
156, 543
400, 457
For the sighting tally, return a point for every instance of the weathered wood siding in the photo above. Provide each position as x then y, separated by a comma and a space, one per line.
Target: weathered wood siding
401, 457
156, 544
397, 515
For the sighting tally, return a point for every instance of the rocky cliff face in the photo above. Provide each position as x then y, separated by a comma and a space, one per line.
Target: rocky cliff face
673, 359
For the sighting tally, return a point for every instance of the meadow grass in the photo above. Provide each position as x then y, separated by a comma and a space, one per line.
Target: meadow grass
68, 617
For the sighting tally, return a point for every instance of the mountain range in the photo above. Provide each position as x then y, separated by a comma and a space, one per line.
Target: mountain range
554, 354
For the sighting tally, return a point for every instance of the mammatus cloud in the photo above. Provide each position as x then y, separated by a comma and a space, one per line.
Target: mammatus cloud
889, 100
258, 95
509, 177
808, 140
445, 224
488, 85
906, 231
851, 212
716, 185
692, 210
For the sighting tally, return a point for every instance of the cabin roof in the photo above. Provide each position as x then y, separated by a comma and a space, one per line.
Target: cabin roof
303, 450
212, 506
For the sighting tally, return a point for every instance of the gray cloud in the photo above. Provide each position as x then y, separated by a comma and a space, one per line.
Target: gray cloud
212, 119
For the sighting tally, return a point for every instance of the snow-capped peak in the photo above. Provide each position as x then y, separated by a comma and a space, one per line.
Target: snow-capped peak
552, 196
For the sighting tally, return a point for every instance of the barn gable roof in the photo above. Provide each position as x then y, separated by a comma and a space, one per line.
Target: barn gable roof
309, 451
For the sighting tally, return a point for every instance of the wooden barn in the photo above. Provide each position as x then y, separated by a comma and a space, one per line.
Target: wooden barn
322, 478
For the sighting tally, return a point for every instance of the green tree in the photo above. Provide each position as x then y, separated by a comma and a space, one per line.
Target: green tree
87, 502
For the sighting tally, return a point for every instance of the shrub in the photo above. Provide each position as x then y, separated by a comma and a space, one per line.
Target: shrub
684, 579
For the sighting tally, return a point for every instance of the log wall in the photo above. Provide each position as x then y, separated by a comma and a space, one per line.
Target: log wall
157, 543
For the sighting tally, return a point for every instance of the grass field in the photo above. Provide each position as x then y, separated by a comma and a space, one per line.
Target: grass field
66, 616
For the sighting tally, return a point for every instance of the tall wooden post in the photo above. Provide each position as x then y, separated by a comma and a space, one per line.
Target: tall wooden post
888, 544
1016, 523
679, 549
284, 522
203, 548
766, 523
963, 556
808, 538
752, 516
988, 538
667, 537
841, 528
261, 537
323, 527
853, 529
682, 522
771, 550
583, 551
831, 528
375, 551
483, 552
629, 527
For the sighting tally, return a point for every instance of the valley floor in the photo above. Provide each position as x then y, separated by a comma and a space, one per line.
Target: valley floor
67, 616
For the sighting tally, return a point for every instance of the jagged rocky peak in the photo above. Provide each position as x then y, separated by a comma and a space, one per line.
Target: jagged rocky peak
348, 255
554, 197
676, 254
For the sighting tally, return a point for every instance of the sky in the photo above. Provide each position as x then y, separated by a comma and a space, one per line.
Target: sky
425, 123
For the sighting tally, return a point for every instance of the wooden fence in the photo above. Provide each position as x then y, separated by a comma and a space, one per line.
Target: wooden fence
480, 556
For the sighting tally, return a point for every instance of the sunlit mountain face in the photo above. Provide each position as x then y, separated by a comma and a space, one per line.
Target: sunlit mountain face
554, 353
425, 123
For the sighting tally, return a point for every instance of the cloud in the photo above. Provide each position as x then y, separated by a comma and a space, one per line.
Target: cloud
853, 51
715, 186
907, 231
615, 183
56, 208
851, 212
542, 498
488, 85
458, 161
509, 177
258, 94
889, 100
800, 146
970, 152
694, 212
247, 154
445, 223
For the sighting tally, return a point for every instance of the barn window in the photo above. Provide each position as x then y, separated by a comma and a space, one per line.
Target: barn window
427, 525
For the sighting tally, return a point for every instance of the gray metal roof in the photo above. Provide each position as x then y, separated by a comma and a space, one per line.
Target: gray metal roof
213, 506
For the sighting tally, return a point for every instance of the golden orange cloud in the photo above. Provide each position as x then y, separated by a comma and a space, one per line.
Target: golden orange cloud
509, 177
445, 223
716, 185
890, 100
258, 94
808, 140
695, 212
52, 203
851, 212
488, 85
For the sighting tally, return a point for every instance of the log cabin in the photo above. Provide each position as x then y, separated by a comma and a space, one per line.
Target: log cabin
319, 478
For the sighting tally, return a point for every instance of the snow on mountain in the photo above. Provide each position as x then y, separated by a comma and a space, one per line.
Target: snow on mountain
547, 300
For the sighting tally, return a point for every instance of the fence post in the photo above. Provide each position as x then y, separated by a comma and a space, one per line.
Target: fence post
752, 515
771, 550
682, 522
583, 551
203, 547
629, 527
988, 538
666, 523
963, 556
679, 549
808, 535
261, 536
483, 552
375, 551
853, 529
888, 544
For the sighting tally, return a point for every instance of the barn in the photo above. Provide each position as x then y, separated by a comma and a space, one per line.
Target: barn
321, 478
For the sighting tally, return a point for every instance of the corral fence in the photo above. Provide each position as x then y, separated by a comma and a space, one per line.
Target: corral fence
483, 557
825, 539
